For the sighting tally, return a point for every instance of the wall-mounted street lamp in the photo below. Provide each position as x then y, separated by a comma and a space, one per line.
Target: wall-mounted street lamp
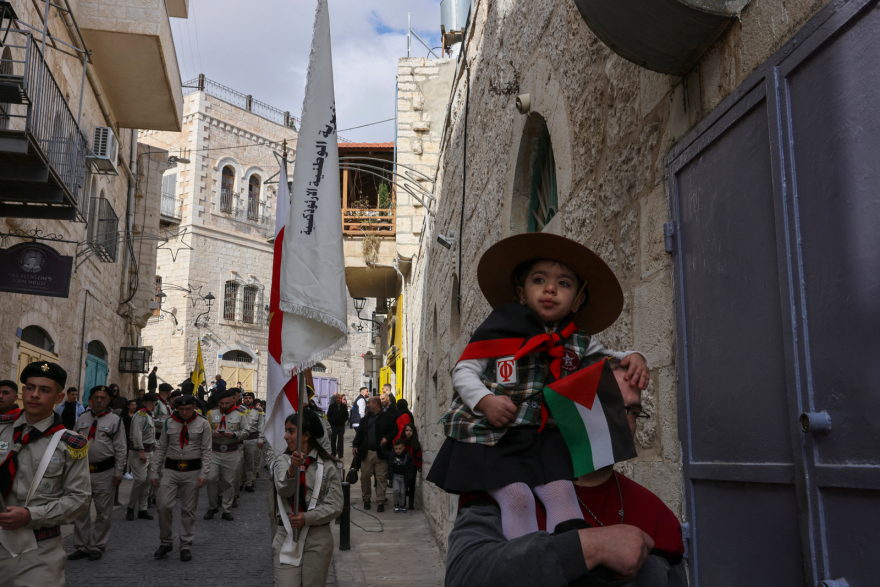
209, 299
162, 295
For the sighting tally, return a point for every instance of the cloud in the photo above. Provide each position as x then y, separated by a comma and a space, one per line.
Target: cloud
261, 47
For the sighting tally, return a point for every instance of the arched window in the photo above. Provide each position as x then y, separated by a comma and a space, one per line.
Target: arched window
249, 303
542, 202
238, 357
39, 338
96, 349
230, 298
319, 368
227, 185
254, 198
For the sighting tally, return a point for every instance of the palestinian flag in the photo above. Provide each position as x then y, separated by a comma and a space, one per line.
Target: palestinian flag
588, 408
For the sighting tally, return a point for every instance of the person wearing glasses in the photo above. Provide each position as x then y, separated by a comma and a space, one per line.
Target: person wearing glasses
624, 518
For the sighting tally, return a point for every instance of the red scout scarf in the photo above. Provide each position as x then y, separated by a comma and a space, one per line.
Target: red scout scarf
303, 506
223, 421
94, 425
184, 432
513, 329
10, 466
14, 412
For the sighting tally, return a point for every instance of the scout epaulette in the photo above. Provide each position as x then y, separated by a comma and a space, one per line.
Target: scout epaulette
243, 409
8, 418
77, 444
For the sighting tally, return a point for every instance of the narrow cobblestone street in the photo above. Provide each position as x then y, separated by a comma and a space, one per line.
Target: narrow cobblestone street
390, 550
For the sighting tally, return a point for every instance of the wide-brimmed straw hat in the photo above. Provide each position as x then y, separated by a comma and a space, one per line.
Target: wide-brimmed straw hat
495, 275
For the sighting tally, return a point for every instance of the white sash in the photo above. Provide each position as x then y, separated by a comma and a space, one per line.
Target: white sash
23, 540
291, 552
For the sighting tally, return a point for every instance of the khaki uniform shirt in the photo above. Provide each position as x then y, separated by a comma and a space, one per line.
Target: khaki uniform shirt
66, 488
198, 447
329, 504
255, 423
143, 430
160, 413
109, 440
236, 422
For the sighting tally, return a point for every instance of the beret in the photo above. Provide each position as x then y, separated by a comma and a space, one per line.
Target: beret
97, 388
45, 369
176, 393
166, 387
150, 397
223, 394
249, 394
9, 384
185, 400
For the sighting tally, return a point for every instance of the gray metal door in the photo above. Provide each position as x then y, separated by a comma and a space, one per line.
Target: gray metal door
775, 207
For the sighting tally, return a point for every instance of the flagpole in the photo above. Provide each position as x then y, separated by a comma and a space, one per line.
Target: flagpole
300, 388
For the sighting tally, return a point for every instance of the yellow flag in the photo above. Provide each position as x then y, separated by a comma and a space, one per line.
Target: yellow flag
198, 374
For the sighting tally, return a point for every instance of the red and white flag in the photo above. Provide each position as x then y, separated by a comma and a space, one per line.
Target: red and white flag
308, 300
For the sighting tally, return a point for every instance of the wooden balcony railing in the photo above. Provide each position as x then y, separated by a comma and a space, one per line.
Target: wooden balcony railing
360, 222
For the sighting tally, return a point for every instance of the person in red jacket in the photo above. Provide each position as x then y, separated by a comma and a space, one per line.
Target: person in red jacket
404, 416
411, 441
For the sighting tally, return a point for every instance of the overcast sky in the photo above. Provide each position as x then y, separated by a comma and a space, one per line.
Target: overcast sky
261, 47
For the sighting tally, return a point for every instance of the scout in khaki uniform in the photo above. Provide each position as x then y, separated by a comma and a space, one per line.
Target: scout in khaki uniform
184, 453
161, 412
143, 443
253, 443
306, 561
8, 396
230, 427
107, 454
239, 472
61, 493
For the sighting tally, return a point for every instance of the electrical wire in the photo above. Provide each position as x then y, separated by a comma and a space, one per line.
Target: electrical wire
363, 125
192, 7
353, 523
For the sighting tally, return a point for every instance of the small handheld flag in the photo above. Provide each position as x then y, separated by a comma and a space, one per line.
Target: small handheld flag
198, 374
588, 408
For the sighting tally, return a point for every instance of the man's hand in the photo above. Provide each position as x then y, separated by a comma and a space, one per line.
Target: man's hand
14, 518
354, 451
142, 456
155, 482
229, 434
259, 445
297, 521
384, 442
636, 370
202, 482
218, 434
499, 409
117, 481
622, 549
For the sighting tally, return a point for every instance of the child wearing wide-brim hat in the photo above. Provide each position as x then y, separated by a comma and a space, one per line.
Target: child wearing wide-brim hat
550, 295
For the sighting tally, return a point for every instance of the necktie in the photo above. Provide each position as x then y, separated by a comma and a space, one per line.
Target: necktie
9, 467
94, 425
223, 421
184, 432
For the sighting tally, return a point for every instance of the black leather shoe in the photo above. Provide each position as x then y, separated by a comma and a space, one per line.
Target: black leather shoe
162, 552
227, 516
235, 502
380, 507
129, 515
366, 505
142, 515
209, 515
185, 556
95, 555
77, 555
249, 488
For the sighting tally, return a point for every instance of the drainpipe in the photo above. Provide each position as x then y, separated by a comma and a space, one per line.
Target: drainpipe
129, 214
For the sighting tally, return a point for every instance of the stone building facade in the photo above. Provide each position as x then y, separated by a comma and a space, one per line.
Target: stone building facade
107, 221
610, 124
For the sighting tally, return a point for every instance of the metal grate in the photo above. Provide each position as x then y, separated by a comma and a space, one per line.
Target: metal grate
227, 198
134, 359
230, 297
103, 224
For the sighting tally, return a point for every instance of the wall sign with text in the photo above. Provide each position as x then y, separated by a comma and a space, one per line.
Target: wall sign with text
35, 268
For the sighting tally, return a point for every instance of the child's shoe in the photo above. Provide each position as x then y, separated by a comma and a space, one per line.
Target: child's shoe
396, 509
403, 510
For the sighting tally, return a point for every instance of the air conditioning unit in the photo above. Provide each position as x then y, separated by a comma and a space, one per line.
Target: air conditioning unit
106, 149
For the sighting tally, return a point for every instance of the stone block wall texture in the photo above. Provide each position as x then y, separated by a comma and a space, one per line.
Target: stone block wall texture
212, 246
611, 124
93, 310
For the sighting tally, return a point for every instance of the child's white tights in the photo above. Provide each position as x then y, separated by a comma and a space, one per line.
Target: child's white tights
517, 503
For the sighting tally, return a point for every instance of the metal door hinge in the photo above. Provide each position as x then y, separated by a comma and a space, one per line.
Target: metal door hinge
669, 237
686, 538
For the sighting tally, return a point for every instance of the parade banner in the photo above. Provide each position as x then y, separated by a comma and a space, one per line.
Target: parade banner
588, 408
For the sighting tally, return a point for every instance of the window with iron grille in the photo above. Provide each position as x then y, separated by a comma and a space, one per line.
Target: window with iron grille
253, 211
249, 303
227, 185
238, 357
230, 298
103, 224
319, 368
38, 337
157, 311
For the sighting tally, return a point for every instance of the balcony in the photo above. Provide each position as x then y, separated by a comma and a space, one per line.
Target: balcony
135, 59
102, 233
42, 149
171, 208
368, 221
246, 210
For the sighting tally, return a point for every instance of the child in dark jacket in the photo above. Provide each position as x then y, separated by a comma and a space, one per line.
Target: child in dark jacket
402, 471
410, 438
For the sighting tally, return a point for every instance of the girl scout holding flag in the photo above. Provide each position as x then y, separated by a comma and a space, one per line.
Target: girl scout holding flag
550, 295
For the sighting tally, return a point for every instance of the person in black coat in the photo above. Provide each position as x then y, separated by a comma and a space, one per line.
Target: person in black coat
377, 429
401, 471
337, 416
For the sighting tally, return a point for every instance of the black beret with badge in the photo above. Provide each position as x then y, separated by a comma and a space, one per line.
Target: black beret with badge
166, 387
97, 388
45, 369
249, 394
185, 400
224, 394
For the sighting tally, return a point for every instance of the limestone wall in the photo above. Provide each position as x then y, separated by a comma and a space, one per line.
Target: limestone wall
611, 123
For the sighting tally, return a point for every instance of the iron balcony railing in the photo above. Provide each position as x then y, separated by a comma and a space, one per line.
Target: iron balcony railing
103, 224
227, 201
41, 112
171, 206
248, 210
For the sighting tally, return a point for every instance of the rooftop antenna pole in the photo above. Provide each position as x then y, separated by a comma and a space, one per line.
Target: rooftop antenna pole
408, 37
